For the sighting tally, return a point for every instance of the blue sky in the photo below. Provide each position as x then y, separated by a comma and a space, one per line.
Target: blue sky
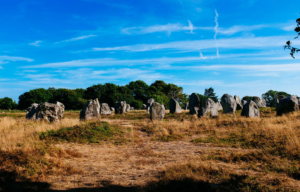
234, 46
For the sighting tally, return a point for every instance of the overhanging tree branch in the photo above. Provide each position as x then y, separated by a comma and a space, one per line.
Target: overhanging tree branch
288, 43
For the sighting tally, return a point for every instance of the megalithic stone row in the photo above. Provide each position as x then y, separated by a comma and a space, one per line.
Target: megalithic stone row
251, 110
287, 105
49, 112
239, 104
174, 106
149, 103
228, 103
210, 109
194, 103
120, 107
259, 102
104, 109
157, 112
91, 110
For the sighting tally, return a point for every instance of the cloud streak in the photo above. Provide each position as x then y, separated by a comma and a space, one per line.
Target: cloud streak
77, 38
36, 43
216, 32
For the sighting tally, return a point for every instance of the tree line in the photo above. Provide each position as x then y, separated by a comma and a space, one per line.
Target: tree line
136, 93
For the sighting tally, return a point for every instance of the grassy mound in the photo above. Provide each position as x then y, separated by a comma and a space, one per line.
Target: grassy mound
93, 132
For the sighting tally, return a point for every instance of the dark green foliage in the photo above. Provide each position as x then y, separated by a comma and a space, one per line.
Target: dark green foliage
270, 95
89, 133
247, 98
7, 103
288, 43
139, 90
210, 92
137, 104
34, 96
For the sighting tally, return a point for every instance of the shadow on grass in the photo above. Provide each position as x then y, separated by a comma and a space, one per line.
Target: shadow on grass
9, 183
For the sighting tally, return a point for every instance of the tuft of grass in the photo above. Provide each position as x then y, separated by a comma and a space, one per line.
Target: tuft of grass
167, 138
93, 132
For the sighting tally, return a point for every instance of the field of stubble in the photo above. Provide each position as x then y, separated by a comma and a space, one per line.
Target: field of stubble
131, 153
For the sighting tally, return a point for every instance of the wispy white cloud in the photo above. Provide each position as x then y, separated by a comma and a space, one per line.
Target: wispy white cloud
233, 43
36, 43
10, 58
216, 32
77, 38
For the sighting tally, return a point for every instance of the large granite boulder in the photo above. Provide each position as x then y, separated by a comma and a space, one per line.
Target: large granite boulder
250, 110
104, 109
194, 103
287, 105
90, 111
210, 109
32, 111
157, 112
239, 104
220, 108
259, 102
276, 100
149, 103
120, 107
244, 102
127, 107
50, 112
131, 108
112, 109
186, 106
174, 106
228, 103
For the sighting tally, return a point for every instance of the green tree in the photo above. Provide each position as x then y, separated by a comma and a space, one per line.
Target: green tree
247, 98
269, 96
66, 96
173, 91
210, 92
288, 43
161, 86
8, 103
34, 96
139, 90
137, 104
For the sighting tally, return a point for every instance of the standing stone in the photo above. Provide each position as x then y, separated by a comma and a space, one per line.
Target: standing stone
259, 102
144, 106
32, 111
239, 104
194, 103
157, 112
244, 102
210, 108
220, 108
50, 112
228, 103
112, 109
287, 105
105, 110
186, 106
131, 108
250, 110
90, 111
149, 103
276, 100
120, 107
174, 106
127, 107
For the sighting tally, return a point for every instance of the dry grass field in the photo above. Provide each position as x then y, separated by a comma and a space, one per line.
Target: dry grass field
131, 153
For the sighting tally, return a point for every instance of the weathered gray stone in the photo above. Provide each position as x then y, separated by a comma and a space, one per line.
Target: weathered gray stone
144, 106
120, 107
220, 108
228, 103
112, 109
259, 102
131, 108
210, 108
244, 102
157, 112
276, 100
50, 112
32, 111
250, 110
149, 103
287, 105
186, 106
239, 104
127, 107
104, 109
194, 103
90, 111
174, 106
